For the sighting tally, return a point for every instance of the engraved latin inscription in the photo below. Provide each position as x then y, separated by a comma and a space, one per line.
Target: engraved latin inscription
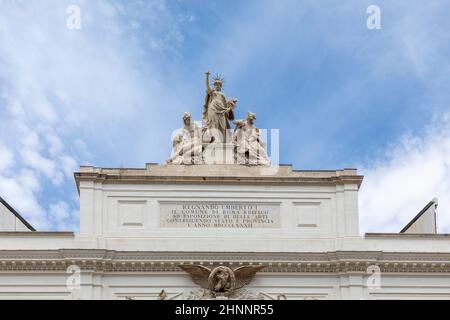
219, 215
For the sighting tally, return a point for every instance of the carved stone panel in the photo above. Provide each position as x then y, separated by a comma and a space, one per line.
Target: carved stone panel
236, 215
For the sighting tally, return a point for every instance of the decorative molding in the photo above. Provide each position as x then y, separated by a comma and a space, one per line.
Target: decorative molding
328, 262
216, 174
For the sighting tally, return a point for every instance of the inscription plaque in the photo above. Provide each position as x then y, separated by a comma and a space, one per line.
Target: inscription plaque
219, 215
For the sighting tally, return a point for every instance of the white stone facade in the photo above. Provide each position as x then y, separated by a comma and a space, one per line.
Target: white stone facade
310, 244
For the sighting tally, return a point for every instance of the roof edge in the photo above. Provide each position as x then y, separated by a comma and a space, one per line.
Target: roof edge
18, 216
405, 228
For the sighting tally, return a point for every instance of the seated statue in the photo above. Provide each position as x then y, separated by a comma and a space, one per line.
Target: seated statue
187, 144
249, 147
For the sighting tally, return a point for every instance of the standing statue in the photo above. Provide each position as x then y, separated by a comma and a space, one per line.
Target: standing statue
187, 144
249, 147
217, 111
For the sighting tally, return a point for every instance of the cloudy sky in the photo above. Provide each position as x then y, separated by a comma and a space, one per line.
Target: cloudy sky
111, 93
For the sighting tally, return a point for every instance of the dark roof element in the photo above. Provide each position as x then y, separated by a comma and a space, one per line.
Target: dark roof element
406, 235
431, 203
18, 216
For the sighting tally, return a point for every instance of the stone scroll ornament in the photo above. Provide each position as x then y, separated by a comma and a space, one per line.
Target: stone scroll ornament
221, 281
189, 144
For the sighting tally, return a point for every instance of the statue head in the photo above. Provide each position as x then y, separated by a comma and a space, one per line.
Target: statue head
218, 81
251, 117
187, 118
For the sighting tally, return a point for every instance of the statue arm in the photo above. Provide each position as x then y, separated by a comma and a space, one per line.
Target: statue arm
230, 106
208, 89
255, 136
231, 103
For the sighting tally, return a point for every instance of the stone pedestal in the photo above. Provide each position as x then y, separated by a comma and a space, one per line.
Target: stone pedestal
225, 208
218, 153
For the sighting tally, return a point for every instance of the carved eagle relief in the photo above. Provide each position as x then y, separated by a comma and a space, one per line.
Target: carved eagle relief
221, 279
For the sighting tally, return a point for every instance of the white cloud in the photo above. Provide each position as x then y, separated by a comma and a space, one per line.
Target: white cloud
55, 144
33, 159
23, 197
29, 180
59, 210
402, 180
68, 165
63, 216
67, 91
6, 158
28, 137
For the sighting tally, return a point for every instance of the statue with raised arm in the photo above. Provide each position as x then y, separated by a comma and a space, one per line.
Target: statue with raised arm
217, 111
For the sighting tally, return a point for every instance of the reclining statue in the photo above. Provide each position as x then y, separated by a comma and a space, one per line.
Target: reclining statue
249, 147
187, 143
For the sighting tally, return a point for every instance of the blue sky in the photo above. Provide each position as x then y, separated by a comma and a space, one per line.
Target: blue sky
111, 93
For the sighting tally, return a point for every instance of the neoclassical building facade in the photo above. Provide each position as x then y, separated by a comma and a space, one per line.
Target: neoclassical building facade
138, 226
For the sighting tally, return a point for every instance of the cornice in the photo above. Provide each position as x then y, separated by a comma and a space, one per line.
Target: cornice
145, 179
327, 262
223, 174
